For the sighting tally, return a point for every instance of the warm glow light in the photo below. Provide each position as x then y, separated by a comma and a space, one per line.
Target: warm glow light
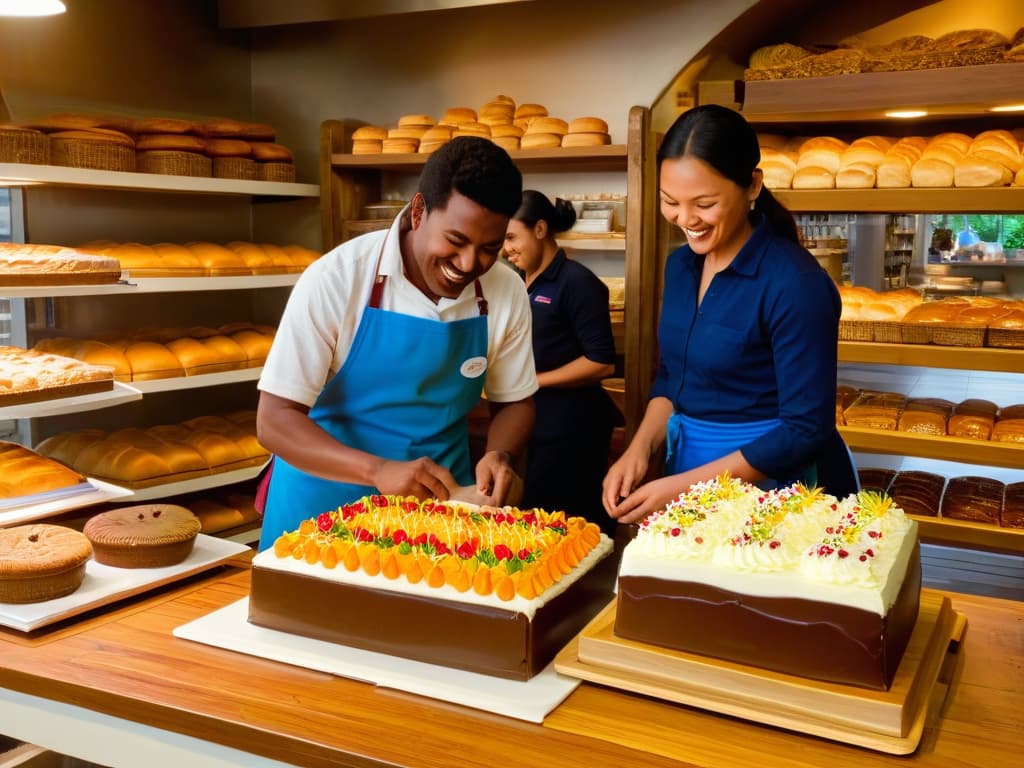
31, 7
905, 113
1008, 108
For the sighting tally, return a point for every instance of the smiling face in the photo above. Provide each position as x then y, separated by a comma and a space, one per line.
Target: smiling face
711, 210
450, 247
524, 245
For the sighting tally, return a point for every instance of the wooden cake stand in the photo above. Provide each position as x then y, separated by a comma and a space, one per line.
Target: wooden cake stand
887, 721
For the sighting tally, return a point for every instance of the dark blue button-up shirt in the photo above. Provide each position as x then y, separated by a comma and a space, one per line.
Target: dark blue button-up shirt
761, 345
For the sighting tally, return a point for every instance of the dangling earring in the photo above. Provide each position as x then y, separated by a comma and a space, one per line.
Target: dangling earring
753, 203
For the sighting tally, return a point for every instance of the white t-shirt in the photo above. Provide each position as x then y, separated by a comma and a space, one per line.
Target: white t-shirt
327, 303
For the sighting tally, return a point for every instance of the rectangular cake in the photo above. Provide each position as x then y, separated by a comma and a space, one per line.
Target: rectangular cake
792, 580
497, 591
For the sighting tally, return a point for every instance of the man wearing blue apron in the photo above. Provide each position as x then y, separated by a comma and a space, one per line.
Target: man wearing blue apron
387, 343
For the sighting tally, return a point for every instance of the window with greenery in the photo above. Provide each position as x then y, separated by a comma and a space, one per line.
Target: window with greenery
1005, 229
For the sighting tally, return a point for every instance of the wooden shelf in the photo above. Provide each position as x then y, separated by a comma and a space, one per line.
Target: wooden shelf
611, 157
909, 200
613, 241
960, 532
933, 356
20, 174
946, 92
985, 452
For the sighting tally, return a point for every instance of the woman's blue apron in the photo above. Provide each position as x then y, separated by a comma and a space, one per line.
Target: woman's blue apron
404, 392
693, 442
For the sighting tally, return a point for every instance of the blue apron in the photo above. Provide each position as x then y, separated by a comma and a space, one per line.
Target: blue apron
693, 442
404, 391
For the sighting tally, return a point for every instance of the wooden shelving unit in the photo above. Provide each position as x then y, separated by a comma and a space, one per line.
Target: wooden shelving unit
933, 356
910, 200
986, 452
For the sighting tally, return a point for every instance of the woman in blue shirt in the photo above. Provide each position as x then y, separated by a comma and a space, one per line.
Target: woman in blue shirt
748, 333
573, 349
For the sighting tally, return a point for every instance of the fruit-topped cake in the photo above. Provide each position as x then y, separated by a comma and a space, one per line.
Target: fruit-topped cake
792, 580
496, 590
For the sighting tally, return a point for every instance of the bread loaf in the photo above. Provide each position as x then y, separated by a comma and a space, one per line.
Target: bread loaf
24, 472
814, 177
931, 172
856, 176
821, 152
588, 125
370, 133
456, 116
927, 416
977, 171
540, 140
586, 139
777, 174
893, 172
973, 418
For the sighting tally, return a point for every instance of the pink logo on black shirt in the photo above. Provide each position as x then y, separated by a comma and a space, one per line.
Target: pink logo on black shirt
542, 299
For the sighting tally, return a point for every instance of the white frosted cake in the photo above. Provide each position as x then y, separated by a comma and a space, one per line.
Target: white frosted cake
793, 580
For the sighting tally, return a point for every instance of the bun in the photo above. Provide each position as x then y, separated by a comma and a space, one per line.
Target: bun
777, 174
586, 139
893, 172
856, 176
530, 110
369, 132
456, 116
367, 147
548, 125
415, 121
406, 133
172, 142
588, 125
508, 143
163, 125
268, 152
97, 134
540, 140
500, 131
813, 177
930, 172
472, 129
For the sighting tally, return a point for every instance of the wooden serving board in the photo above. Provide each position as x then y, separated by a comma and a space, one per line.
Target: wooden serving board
888, 721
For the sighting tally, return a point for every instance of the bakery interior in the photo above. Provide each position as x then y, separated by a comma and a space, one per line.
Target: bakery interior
315, 71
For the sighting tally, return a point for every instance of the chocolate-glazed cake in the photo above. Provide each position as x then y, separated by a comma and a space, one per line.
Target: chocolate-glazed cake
978, 499
481, 589
1012, 513
917, 492
793, 581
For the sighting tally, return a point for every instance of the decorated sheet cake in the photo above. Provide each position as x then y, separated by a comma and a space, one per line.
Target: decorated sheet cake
496, 590
792, 580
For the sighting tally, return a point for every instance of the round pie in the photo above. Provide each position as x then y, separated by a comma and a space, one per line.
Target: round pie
41, 562
142, 536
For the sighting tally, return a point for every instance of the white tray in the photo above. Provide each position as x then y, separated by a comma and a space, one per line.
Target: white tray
531, 700
105, 584
26, 508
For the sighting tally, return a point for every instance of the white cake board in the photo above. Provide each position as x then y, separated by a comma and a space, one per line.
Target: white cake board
229, 628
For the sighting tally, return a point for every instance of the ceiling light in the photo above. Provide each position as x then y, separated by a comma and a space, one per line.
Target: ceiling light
1008, 108
907, 113
31, 7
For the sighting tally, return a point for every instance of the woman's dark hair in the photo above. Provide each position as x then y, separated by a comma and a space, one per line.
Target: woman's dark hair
536, 207
723, 139
476, 168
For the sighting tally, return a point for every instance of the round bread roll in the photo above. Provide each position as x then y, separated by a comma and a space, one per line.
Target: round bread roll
586, 139
41, 562
400, 146
408, 132
170, 142
472, 129
228, 148
508, 143
437, 133
778, 157
67, 122
370, 132
415, 121
862, 153
502, 131
959, 140
269, 152
503, 99
142, 536
426, 147
164, 125
813, 177
588, 125
97, 134
367, 147
498, 109
856, 176
530, 110
548, 125
931, 172
493, 120
540, 140
458, 116
878, 142
776, 174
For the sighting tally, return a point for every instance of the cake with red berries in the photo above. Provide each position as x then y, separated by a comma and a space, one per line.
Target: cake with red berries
792, 580
492, 590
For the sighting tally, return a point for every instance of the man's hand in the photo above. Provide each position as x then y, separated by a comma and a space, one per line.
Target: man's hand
421, 478
495, 478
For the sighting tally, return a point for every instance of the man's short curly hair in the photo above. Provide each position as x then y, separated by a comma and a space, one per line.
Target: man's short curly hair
476, 168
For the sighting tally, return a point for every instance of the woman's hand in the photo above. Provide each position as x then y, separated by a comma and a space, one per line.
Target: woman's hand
648, 498
496, 480
623, 477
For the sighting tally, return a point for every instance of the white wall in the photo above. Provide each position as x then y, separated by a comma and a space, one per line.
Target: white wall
577, 58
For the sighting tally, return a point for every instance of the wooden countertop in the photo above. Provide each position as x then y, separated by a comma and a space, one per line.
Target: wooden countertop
124, 662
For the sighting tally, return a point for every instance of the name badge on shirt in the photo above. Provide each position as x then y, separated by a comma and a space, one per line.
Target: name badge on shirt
473, 367
538, 299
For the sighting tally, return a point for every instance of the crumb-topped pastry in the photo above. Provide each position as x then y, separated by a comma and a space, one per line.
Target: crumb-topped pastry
494, 590
793, 580
41, 562
143, 536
